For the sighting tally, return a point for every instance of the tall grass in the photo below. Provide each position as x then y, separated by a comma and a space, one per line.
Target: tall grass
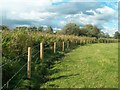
15, 43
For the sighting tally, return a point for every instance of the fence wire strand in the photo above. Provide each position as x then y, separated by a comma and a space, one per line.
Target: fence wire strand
11, 61
14, 75
19, 81
35, 54
35, 46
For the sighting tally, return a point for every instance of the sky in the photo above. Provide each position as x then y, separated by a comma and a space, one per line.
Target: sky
57, 13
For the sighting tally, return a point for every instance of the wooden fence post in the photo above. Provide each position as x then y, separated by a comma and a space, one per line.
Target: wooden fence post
76, 42
54, 47
67, 44
63, 46
80, 42
94, 41
41, 52
29, 63
84, 41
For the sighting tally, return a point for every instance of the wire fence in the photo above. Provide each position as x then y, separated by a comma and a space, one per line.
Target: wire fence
38, 55
19, 81
7, 83
13, 60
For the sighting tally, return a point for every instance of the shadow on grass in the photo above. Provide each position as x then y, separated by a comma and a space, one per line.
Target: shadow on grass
52, 59
42, 71
63, 76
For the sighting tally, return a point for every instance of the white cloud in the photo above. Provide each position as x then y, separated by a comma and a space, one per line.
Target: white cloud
24, 5
54, 1
111, 31
32, 15
62, 23
23, 25
42, 12
91, 11
94, 0
99, 16
83, 1
55, 29
106, 10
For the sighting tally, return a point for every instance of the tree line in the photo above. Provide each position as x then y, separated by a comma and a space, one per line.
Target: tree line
88, 30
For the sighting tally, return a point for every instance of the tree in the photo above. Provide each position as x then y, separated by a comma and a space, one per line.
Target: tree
71, 29
49, 30
32, 28
60, 32
101, 35
117, 35
107, 35
83, 32
3, 27
40, 28
96, 31
92, 31
22, 28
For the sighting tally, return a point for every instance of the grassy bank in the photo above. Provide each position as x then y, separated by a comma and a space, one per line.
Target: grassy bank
90, 66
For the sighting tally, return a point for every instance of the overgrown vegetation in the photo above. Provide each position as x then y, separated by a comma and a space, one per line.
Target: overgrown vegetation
14, 52
88, 30
14, 47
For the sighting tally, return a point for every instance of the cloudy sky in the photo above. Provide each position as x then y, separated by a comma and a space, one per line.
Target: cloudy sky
57, 13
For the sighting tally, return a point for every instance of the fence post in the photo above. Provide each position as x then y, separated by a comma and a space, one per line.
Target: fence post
63, 46
76, 42
29, 63
67, 44
54, 47
84, 41
80, 42
41, 52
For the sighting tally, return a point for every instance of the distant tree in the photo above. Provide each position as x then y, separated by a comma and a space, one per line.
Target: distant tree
17, 28
40, 28
32, 28
59, 32
101, 35
83, 32
117, 35
107, 35
29, 28
71, 29
4, 27
49, 30
22, 28
96, 31
92, 31
0, 26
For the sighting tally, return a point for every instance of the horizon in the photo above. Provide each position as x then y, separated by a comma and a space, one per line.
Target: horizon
58, 13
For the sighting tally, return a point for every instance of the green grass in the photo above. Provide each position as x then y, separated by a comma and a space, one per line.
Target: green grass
90, 66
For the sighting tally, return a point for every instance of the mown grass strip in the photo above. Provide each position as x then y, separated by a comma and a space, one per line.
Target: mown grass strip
90, 66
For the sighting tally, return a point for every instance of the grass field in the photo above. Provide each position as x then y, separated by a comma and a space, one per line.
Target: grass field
90, 66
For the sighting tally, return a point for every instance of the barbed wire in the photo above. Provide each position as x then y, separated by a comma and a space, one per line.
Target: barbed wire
20, 68
35, 54
35, 46
36, 60
11, 61
13, 76
19, 81
16, 58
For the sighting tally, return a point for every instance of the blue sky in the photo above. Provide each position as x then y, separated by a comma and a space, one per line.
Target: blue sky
57, 13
